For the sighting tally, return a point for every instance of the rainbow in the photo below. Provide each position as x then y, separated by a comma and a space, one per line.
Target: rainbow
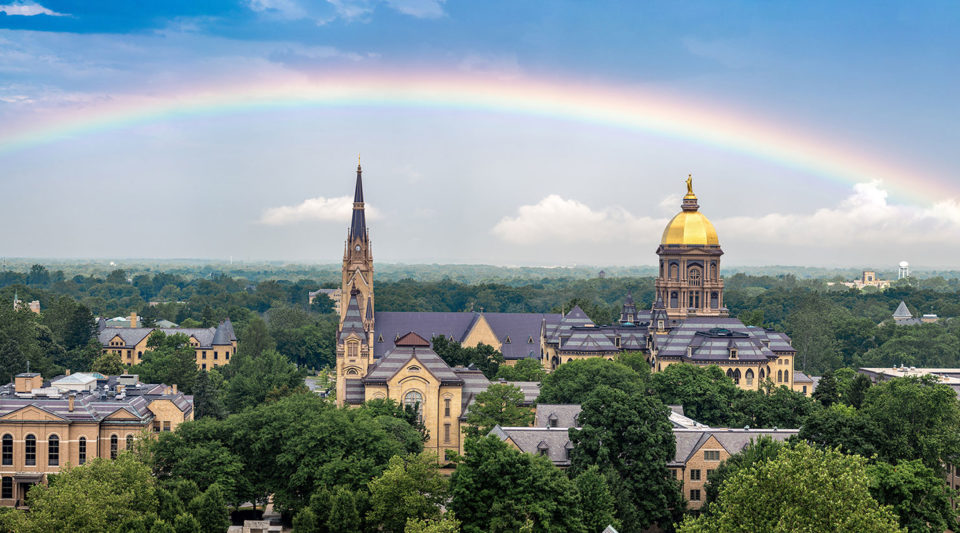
619, 107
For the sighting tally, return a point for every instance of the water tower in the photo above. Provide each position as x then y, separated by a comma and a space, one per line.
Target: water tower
904, 271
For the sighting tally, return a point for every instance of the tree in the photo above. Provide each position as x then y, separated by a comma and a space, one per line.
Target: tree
843, 426
306, 521
206, 398
637, 361
573, 382
757, 451
483, 357
169, 359
827, 391
344, 515
98, 496
802, 489
630, 434
447, 524
771, 407
210, 510
501, 404
916, 493
254, 378
255, 338
523, 370
162, 526
705, 393
410, 488
185, 523
857, 391
597, 506
198, 451
498, 489
918, 418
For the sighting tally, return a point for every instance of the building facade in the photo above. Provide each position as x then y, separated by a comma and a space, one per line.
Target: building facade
73, 419
213, 346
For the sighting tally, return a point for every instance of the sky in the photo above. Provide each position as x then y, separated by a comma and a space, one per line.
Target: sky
508, 133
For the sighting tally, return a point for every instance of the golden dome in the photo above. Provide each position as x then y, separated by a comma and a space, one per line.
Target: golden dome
690, 227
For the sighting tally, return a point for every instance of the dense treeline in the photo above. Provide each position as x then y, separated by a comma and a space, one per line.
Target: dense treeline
831, 326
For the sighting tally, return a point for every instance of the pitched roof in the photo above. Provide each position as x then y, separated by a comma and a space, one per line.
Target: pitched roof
387, 366
564, 414
689, 441
224, 334
352, 322
552, 442
412, 340
133, 336
358, 224
902, 311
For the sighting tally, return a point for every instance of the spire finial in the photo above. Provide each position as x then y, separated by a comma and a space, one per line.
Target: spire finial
358, 162
689, 184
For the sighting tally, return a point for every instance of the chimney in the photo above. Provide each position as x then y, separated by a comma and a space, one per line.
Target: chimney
120, 389
68, 372
133, 319
70, 400
174, 388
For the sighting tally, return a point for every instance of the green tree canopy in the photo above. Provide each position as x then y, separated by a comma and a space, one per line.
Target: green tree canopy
501, 404
916, 493
706, 393
802, 489
486, 358
523, 370
630, 434
410, 488
497, 489
169, 359
574, 381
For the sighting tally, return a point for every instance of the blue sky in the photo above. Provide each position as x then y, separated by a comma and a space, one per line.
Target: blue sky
467, 186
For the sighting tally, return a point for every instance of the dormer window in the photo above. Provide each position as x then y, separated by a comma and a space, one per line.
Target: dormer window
380, 338
733, 353
617, 340
660, 325
508, 340
552, 420
542, 448
530, 340
413, 368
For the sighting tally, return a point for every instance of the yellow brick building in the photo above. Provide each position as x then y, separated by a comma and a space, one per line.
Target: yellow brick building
75, 418
213, 346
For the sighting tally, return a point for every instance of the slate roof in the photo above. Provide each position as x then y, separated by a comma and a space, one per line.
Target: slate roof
132, 336
565, 415
689, 441
521, 328
474, 382
224, 334
902, 311
712, 338
354, 393
554, 442
352, 321
392, 362
800, 377
586, 339
93, 406
358, 224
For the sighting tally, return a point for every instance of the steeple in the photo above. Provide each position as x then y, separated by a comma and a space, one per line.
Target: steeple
358, 225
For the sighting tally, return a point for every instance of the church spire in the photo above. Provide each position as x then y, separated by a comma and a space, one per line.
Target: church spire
358, 226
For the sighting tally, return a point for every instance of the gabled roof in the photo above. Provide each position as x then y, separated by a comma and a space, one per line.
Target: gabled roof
352, 322
390, 364
902, 311
552, 442
412, 340
565, 415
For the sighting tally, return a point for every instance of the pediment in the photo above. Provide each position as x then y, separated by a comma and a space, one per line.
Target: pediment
33, 412
122, 414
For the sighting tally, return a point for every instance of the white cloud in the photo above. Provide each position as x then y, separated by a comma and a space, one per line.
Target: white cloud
556, 219
27, 9
863, 218
424, 9
337, 209
284, 9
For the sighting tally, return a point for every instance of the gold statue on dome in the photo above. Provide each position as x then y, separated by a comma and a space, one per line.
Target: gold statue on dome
690, 184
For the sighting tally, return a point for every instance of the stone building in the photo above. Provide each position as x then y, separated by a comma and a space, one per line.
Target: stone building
699, 448
213, 346
687, 323
75, 418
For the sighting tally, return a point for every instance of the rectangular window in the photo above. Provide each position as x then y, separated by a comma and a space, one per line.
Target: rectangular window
82, 449
203, 354
709, 473
156, 426
53, 451
7, 493
214, 355
694, 495
446, 433
711, 455
30, 451
204, 366
446, 407
166, 425
695, 475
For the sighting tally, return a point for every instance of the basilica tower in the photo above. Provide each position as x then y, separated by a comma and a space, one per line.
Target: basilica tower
355, 333
689, 283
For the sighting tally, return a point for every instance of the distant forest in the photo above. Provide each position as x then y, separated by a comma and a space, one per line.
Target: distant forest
831, 326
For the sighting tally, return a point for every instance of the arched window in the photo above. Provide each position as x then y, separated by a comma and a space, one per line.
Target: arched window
714, 300
749, 376
713, 271
695, 278
779, 376
7, 450
129, 442
761, 374
674, 300
736, 376
53, 450
113, 446
786, 376
413, 399
353, 348
30, 450
352, 372
82, 450
674, 272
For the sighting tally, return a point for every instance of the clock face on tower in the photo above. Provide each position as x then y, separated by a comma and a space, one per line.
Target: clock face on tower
357, 248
